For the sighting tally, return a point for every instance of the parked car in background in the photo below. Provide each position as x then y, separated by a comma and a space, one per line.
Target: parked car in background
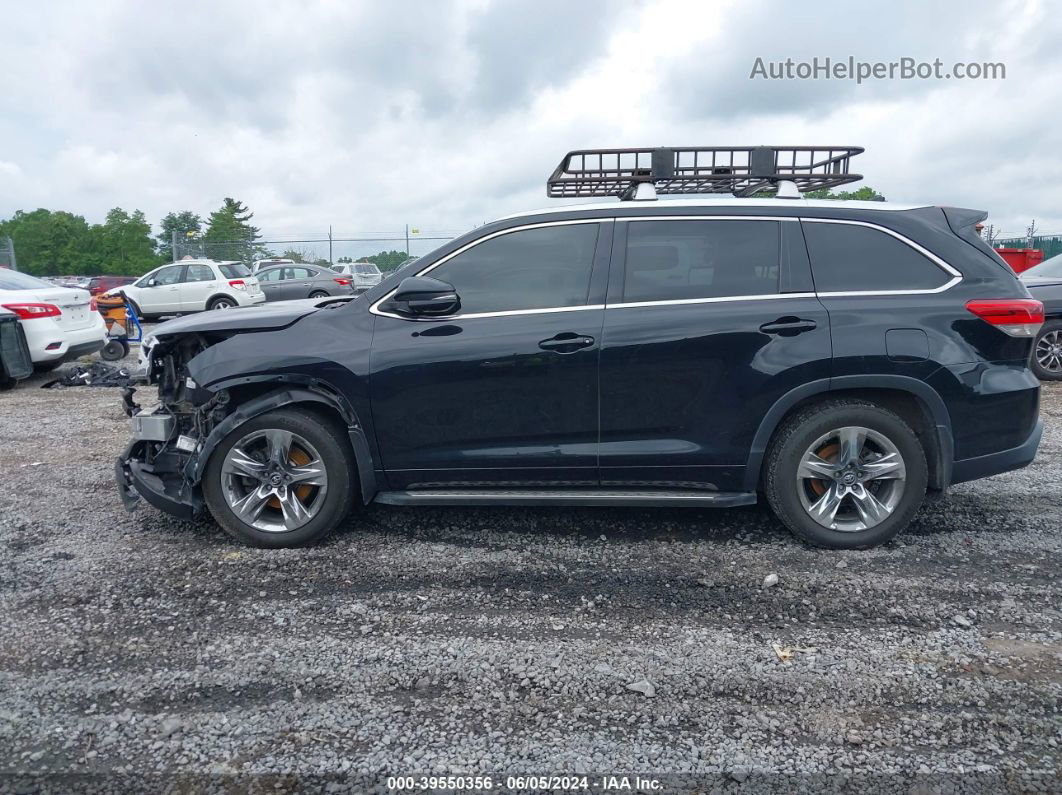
363, 274
288, 282
59, 322
1044, 282
103, 284
192, 286
260, 264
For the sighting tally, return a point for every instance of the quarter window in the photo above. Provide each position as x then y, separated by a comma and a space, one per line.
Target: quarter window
530, 269
850, 258
674, 260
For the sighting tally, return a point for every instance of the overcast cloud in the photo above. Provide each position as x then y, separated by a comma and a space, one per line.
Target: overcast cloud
367, 116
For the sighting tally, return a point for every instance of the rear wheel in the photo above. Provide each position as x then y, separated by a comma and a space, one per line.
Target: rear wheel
222, 302
1046, 361
318, 294
281, 479
846, 474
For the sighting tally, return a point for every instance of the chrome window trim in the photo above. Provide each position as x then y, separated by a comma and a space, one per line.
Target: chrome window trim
714, 300
956, 276
708, 218
375, 308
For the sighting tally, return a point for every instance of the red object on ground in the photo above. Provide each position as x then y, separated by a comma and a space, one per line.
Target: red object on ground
1021, 259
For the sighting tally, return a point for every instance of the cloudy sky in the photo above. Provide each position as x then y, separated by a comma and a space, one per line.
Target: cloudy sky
370, 115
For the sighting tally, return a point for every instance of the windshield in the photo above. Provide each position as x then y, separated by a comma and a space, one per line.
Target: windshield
1049, 268
13, 280
234, 270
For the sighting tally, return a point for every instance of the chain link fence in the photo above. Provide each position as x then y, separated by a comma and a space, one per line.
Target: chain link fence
7, 254
325, 247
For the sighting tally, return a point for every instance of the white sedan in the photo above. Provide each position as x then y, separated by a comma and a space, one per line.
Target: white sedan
60, 324
192, 286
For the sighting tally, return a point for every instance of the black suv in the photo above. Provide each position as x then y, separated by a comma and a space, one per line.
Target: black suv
841, 358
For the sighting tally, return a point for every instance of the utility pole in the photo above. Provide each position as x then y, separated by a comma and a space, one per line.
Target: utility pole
407, 240
173, 245
330, 260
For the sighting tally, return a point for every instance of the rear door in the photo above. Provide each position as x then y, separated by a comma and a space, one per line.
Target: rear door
199, 284
709, 321
297, 282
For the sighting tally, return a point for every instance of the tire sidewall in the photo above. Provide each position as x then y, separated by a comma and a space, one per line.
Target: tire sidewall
230, 303
1038, 371
785, 459
324, 435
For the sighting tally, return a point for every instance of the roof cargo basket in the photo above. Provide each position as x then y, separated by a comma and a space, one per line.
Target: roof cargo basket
740, 170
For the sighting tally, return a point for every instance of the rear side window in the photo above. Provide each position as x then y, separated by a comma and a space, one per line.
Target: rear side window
674, 260
199, 273
850, 258
234, 270
541, 268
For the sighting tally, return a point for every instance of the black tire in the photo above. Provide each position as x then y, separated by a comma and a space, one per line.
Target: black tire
222, 302
328, 437
114, 350
1052, 327
318, 294
800, 431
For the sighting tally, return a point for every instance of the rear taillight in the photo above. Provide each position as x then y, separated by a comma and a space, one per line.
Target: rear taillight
31, 311
344, 282
1018, 317
239, 284
93, 306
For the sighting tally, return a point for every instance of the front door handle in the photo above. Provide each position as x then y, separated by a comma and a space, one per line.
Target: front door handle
788, 326
567, 342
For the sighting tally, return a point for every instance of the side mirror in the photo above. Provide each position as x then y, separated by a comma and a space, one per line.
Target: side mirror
426, 297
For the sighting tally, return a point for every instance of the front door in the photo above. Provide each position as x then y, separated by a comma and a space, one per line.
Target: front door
163, 294
708, 323
503, 393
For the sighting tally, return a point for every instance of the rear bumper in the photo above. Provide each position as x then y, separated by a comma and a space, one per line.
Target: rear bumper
72, 343
1003, 461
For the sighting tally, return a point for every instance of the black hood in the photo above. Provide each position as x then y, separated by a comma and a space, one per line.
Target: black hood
247, 318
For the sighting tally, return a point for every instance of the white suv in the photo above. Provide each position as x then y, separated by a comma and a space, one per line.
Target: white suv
192, 286
363, 275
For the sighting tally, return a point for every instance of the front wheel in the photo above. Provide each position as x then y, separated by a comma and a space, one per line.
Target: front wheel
846, 474
281, 479
1046, 361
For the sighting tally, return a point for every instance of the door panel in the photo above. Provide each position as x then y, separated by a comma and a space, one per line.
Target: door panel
478, 401
164, 296
199, 283
698, 345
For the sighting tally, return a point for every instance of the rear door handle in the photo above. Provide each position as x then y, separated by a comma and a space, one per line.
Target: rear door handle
788, 326
566, 342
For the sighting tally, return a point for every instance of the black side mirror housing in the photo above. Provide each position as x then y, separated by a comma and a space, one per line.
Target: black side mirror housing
423, 296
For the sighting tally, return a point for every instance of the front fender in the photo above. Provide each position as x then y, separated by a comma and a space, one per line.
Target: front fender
280, 398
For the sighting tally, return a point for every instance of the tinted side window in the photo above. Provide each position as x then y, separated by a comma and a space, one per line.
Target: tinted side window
672, 260
301, 273
170, 275
848, 258
234, 270
531, 269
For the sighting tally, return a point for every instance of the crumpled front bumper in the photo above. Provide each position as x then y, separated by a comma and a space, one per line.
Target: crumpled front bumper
162, 484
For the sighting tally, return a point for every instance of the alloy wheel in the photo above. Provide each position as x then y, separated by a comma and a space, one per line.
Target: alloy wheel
274, 480
1049, 352
851, 479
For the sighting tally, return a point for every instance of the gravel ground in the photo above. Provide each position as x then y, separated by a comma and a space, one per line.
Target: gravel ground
138, 650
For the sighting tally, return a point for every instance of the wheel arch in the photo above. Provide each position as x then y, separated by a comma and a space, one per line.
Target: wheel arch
252, 397
216, 296
915, 401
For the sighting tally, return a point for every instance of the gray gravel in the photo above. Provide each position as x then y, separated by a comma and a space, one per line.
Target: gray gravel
136, 649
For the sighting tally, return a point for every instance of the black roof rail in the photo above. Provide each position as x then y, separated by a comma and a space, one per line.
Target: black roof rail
741, 170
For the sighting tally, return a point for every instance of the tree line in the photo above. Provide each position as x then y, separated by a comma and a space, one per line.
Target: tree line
59, 243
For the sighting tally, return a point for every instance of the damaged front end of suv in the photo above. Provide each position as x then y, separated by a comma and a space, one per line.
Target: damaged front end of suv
214, 372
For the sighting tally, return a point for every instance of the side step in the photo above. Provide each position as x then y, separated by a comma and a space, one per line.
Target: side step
593, 497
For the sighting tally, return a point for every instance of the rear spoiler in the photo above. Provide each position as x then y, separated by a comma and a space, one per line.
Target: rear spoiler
963, 223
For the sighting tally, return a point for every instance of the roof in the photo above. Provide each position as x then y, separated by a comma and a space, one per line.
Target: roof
721, 202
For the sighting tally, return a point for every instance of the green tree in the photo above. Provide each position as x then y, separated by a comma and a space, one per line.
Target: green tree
866, 194
50, 243
122, 244
184, 224
387, 260
229, 233
343, 260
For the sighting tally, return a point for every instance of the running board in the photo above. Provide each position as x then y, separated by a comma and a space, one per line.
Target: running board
592, 497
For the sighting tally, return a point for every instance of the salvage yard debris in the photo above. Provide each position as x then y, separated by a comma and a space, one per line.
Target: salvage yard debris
96, 374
